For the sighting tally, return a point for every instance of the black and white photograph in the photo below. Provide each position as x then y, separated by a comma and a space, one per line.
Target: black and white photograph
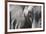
24, 17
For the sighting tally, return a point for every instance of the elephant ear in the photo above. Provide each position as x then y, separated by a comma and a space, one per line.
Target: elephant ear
40, 15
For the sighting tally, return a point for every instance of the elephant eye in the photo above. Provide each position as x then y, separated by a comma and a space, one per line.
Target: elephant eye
29, 14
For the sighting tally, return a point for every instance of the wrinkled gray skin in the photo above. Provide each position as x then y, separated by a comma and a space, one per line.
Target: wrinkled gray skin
20, 18
36, 17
